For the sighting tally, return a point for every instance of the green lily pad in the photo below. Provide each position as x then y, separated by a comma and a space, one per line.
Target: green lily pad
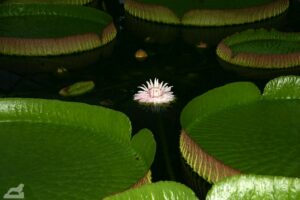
76, 2
157, 191
261, 49
69, 150
234, 129
77, 89
256, 188
205, 12
46, 29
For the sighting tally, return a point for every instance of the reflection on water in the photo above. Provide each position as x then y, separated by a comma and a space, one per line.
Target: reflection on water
164, 34
173, 57
30, 65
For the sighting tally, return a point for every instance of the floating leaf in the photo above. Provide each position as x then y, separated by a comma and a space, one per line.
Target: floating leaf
261, 49
77, 89
233, 129
69, 150
62, 29
205, 13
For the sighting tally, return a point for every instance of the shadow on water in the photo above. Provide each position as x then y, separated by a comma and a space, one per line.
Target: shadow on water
191, 69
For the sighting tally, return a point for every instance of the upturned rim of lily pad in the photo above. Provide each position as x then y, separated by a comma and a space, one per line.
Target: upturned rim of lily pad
256, 60
56, 45
285, 88
205, 17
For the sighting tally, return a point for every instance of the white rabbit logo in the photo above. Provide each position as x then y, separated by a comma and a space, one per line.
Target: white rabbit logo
15, 192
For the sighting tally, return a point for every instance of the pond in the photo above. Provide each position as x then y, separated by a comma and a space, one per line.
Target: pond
183, 57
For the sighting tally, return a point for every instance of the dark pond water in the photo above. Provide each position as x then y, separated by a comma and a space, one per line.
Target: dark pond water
173, 57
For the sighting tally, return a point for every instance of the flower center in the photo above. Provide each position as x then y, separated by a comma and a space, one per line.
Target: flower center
155, 92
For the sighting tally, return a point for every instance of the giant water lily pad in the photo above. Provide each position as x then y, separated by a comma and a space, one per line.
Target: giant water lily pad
61, 150
205, 12
44, 29
261, 49
235, 129
256, 188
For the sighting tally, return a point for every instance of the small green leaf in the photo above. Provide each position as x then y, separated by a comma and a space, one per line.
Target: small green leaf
77, 89
144, 143
157, 191
254, 187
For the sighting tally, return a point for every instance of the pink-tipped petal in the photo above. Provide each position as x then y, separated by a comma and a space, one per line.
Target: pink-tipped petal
154, 93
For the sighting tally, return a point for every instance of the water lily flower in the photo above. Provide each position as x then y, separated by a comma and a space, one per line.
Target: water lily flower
155, 93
